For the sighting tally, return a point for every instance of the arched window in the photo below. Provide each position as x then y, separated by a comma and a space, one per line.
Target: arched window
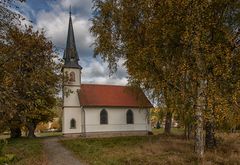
103, 117
72, 77
72, 124
129, 117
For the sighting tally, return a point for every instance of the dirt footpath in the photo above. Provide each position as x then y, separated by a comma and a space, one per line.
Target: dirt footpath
57, 154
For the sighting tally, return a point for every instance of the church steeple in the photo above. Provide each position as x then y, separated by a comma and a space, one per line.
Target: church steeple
70, 53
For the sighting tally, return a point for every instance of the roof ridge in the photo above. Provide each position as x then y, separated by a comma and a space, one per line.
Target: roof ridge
105, 85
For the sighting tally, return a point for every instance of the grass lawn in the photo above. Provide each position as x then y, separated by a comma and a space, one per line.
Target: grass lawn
48, 134
152, 150
175, 131
26, 151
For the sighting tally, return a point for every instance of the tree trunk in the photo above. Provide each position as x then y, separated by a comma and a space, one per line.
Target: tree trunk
189, 131
185, 131
233, 129
210, 135
199, 142
168, 123
15, 132
199, 138
31, 129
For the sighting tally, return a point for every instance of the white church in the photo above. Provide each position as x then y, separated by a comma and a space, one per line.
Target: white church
99, 110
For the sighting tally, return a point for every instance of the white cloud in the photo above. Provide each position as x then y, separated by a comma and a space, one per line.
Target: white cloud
82, 35
26, 10
97, 72
76, 3
55, 24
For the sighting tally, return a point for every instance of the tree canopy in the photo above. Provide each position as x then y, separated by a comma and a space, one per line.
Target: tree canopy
29, 72
184, 51
29, 77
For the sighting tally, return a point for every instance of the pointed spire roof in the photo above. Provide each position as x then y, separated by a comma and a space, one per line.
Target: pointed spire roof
70, 53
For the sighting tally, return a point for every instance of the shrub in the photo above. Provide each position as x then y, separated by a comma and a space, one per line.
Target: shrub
7, 158
3, 143
55, 125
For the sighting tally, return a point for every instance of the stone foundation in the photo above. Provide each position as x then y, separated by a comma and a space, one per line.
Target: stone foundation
73, 135
107, 134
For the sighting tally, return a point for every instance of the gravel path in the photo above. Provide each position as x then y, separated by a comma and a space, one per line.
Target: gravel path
57, 154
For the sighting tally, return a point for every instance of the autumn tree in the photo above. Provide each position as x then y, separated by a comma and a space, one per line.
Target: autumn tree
183, 49
8, 18
31, 75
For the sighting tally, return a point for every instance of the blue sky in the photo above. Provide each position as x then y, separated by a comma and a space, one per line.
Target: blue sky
53, 16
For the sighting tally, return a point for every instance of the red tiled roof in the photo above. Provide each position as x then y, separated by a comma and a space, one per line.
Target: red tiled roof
92, 95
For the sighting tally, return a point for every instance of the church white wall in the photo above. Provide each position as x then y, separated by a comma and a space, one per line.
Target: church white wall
68, 114
70, 88
72, 98
116, 120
